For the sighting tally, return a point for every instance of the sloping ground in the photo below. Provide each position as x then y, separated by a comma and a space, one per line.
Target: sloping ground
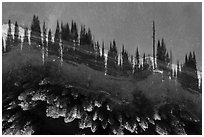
157, 87
26, 81
77, 74
162, 90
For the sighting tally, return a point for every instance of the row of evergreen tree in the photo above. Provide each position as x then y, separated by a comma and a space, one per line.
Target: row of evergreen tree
11, 40
82, 48
188, 74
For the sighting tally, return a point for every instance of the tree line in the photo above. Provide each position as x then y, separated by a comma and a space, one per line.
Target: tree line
81, 47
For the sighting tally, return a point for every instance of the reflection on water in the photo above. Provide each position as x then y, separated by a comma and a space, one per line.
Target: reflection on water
54, 109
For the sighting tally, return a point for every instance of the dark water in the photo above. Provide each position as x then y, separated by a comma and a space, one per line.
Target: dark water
64, 109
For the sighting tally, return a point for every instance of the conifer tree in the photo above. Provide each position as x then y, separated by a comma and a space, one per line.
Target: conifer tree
75, 33
44, 36
190, 60
163, 58
82, 35
126, 63
195, 81
36, 32
144, 60
112, 61
16, 34
44, 43
103, 50
163, 51
194, 61
57, 34
186, 59
137, 60
200, 85
3, 50
189, 77
25, 39
178, 69
67, 32
103, 56
72, 31
63, 33
9, 40
56, 46
89, 37
167, 58
145, 65
50, 46
158, 51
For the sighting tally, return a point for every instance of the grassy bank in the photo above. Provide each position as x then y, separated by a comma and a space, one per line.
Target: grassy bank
23, 69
